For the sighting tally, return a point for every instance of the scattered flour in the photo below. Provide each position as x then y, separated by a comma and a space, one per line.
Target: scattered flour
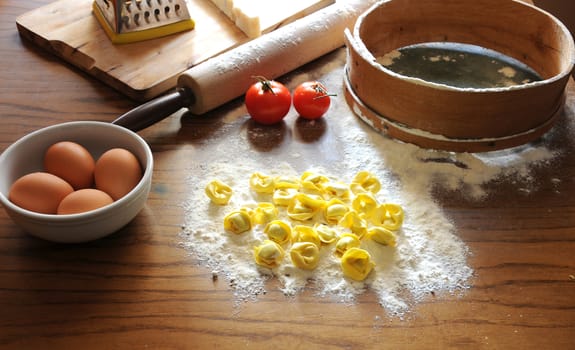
508, 72
429, 257
388, 58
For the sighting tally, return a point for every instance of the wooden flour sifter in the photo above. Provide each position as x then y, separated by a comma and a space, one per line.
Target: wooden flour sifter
227, 76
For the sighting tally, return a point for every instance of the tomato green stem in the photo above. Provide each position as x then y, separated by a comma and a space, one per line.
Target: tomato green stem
320, 89
324, 96
266, 85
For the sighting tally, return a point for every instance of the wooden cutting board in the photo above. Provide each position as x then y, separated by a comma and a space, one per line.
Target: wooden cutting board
145, 69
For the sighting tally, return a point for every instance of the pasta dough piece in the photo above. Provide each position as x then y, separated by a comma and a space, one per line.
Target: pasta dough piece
285, 182
382, 235
326, 234
356, 264
304, 207
264, 213
388, 215
283, 197
302, 233
334, 211
279, 231
304, 255
313, 182
269, 254
346, 241
237, 222
364, 203
364, 181
261, 183
218, 192
353, 221
336, 190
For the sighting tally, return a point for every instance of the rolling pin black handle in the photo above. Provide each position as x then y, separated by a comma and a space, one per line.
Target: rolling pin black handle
155, 110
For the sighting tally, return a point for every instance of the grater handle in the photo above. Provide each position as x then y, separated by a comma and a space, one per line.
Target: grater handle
155, 110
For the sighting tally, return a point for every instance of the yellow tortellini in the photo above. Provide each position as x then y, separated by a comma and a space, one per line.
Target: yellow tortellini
364, 203
238, 221
326, 234
283, 182
313, 182
218, 192
345, 242
355, 223
269, 254
334, 211
264, 213
382, 235
304, 255
261, 183
389, 216
364, 181
330, 215
356, 264
283, 197
279, 231
336, 190
302, 233
304, 207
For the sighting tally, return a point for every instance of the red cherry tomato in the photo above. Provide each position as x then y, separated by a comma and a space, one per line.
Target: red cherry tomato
268, 101
311, 99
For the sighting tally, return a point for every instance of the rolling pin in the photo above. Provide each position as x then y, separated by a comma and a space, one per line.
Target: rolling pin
228, 76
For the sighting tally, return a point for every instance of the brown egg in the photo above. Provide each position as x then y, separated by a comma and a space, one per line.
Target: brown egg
72, 162
117, 172
84, 200
40, 192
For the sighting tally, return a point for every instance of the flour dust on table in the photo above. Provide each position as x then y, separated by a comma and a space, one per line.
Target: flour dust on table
429, 257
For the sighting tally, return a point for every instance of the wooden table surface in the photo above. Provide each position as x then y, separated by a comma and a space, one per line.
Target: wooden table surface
139, 289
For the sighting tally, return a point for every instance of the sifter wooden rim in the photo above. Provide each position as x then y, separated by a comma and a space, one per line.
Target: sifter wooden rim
429, 140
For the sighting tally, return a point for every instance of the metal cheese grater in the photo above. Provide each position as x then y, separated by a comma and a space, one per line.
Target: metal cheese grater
127, 21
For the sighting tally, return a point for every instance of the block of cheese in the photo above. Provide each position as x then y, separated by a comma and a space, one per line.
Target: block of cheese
257, 17
225, 6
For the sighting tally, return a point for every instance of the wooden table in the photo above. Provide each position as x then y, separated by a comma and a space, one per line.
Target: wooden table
139, 289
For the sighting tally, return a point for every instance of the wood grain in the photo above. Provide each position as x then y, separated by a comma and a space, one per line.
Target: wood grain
472, 120
139, 289
146, 69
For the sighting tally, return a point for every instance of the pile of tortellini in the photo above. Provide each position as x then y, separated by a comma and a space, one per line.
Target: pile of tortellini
320, 213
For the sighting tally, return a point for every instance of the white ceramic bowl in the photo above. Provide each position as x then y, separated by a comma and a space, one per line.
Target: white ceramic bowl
26, 156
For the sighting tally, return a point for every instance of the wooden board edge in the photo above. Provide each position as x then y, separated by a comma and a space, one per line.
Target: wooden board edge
86, 64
